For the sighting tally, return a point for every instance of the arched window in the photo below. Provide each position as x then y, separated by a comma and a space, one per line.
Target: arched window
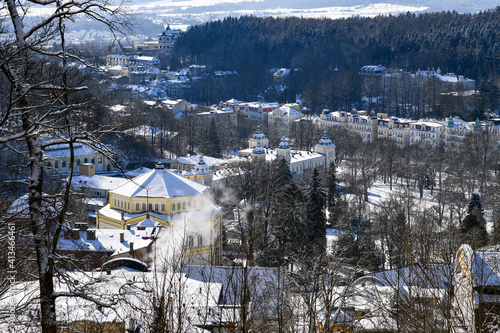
143, 207
179, 206
137, 207
163, 207
173, 207
85, 160
63, 164
92, 160
115, 203
191, 241
184, 205
56, 164
189, 204
200, 240
150, 207
156, 207
77, 162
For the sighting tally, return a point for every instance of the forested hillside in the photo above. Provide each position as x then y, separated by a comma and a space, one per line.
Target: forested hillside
467, 44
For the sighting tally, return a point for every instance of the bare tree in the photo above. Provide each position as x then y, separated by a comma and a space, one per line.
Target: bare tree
45, 95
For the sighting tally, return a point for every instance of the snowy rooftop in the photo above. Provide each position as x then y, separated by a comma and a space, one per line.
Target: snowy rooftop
62, 150
160, 183
109, 240
97, 182
195, 159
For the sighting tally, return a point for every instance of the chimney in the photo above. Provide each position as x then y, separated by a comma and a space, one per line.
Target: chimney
131, 251
122, 237
90, 234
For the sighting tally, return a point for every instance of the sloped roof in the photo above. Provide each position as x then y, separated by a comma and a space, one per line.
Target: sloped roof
160, 183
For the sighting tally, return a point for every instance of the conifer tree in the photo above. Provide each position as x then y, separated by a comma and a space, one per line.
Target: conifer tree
473, 226
316, 221
211, 145
331, 186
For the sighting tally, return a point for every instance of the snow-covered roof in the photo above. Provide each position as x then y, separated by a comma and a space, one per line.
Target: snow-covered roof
20, 208
137, 172
62, 150
109, 240
129, 291
160, 183
287, 111
195, 159
97, 182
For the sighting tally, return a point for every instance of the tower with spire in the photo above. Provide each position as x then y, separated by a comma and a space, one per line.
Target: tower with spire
203, 174
284, 150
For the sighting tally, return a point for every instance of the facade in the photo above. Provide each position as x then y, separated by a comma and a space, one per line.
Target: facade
450, 134
177, 106
59, 155
167, 39
356, 121
284, 115
225, 113
174, 202
259, 111
301, 162
476, 303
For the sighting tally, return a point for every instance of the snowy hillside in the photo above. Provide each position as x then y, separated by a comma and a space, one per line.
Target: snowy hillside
188, 12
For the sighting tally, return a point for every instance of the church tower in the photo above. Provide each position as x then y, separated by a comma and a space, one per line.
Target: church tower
203, 174
284, 150
326, 147
258, 139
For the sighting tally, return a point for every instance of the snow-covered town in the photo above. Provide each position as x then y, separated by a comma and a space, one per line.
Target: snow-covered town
269, 173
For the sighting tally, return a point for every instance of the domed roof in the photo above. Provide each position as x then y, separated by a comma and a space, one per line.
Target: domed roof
451, 122
201, 166
284, 144
325, 141
259, 150
258, 135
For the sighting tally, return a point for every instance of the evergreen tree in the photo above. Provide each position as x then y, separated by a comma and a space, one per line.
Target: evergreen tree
211, 145
316, 221
331, 187
473, 227
475, 201
288, 218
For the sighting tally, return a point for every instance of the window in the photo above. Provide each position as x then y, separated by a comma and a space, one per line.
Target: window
179, 206
77, 162
190, 241
137, 207
163, 207
99, 160
156, 207
115, 202
92, 161
143, 207
173, 207
85, 160
63, 164
184, 206
200, 240
56, 165
150, 207
189, 204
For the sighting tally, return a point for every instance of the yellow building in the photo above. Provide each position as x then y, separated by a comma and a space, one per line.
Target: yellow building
174, 202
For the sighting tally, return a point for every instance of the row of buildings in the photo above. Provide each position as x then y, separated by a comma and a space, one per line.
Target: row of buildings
449, 134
